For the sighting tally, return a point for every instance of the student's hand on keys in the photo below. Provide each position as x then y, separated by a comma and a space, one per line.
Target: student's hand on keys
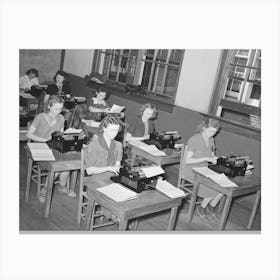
213, 159
114, 169
146, 137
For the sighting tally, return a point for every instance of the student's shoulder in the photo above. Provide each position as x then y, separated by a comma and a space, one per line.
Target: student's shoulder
118, 145
195, 137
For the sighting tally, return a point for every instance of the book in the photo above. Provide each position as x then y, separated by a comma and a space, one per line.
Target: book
117, 192
71, 130
220, 179
41, 152
169, 190
116, 109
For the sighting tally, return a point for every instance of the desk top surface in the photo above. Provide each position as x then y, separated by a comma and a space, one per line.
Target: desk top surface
145, 199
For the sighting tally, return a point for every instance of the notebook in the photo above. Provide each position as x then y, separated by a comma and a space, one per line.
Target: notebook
118, 192
116, 109
169, 190
41, 152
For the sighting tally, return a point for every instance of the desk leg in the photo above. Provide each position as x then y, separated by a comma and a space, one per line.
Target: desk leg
28, 178
133, 158
221, 204
134, 224
172, 219
123, 224
193, 200
225, 213
49, 193
73, 180
255, 208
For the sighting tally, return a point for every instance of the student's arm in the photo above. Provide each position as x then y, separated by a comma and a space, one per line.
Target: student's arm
98, 170
129, 137
190, 159
30, 135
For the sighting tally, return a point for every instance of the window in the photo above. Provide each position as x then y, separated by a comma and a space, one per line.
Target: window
238, 89
156, 71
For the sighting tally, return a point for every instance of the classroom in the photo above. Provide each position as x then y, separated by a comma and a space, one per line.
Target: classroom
109, 139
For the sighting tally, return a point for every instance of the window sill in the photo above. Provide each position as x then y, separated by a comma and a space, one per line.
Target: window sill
237, 128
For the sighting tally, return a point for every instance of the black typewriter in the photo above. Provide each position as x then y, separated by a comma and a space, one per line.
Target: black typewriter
231, 166
67, 142
163, 140
36, 90
135, 179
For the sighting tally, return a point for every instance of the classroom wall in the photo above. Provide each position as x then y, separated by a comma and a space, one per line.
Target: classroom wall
198, 73
78, 62
47, 62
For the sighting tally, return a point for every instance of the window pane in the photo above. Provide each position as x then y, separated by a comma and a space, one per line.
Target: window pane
233, 89
171, 79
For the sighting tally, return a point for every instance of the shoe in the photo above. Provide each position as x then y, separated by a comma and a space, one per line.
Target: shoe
72, 194
62, 189
42, 199
210, 210
202, 214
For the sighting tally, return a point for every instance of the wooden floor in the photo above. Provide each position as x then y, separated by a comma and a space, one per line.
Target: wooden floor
63, 213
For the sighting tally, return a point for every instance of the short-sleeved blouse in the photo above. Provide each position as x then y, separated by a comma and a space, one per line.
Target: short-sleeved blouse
98, 154
137, 129
43, 128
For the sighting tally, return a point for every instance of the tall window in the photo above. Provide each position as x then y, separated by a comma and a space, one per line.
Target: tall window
238, 93
156, 71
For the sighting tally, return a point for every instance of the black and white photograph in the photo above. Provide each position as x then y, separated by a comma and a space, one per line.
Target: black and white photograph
139, 139
130, 139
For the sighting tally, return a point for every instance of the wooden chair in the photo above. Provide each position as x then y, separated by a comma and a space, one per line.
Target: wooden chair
184, 183
39, 176
85, 200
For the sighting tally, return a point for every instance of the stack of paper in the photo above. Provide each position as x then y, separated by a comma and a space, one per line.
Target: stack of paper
41, 152
152, 171
80, 98
220, 179
116, 109
118, 192
169, 190
71, 130
151, 149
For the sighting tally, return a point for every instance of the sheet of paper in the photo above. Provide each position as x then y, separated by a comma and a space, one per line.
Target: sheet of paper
169, 190
80, 98
152, 171
220, 179
26, 95
72, 130
41, 152
116, 109
118, 192
153, 150
138, 144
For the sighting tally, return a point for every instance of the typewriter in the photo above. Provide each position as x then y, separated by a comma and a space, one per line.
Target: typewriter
231, 166
135, 179
67, 142
163, 140
37, 90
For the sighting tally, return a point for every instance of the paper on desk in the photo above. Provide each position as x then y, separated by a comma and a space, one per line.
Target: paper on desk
72, 130
138, 144
220, 179
41, 152
169, 190
116, 109
26, 95
153, 150
118, 192
152, 171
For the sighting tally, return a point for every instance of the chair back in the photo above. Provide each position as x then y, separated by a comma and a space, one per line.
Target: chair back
183, 159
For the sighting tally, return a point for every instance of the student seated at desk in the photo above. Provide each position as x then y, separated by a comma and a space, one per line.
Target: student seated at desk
200, 151
98, 104
144, 126
29, 79
103, 154
41, 129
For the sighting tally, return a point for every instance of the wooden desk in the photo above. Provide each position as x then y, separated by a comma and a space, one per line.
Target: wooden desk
246, 185
28, 101
70, 161
161, 160
147, 202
